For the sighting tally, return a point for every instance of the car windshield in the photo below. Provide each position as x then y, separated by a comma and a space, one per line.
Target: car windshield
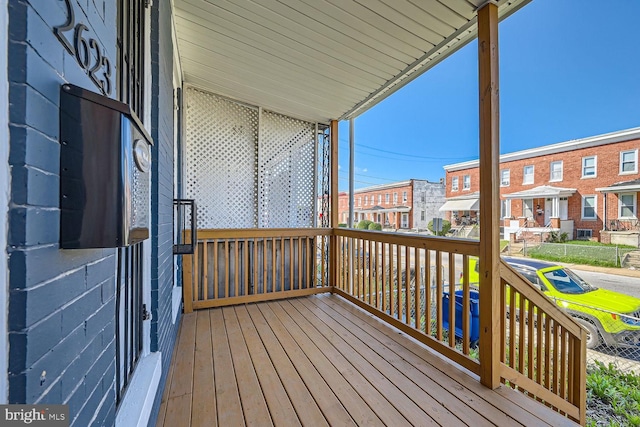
568, 282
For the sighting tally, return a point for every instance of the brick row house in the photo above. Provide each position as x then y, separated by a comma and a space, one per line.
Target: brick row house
587, 187
407, 204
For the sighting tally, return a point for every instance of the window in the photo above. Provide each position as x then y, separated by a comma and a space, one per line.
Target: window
404, 197
379, 199
589, 166
359, 201
629, 161
395, 198
589, 207
556, 171
423, 197
505, 208
386, 198
527, 208
627, 206
505, 178
584, 233
466, 182
528, 175
423, 215
454, 183
366, 200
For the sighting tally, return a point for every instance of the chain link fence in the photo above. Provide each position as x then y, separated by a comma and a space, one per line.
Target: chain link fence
608, 256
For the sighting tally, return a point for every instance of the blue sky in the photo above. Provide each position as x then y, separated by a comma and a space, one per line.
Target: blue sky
568, 69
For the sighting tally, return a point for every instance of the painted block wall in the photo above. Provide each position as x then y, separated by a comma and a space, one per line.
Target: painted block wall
61, 304
163, 328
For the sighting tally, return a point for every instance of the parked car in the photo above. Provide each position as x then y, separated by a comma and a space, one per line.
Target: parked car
610, 318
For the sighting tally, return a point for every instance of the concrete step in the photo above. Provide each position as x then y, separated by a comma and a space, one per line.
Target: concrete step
631, 259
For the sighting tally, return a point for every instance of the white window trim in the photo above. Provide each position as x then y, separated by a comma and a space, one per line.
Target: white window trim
635, 161
404, 197
551, 171
464, 183
595, 167
386, 198
524, 175
635, 205
508, 182
455, 181
595, 208
507, 208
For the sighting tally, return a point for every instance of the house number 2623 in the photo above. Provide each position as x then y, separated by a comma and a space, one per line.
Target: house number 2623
86, 51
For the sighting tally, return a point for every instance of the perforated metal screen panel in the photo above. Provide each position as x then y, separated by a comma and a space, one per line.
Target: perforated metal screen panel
286, 163
248, 168
221, 138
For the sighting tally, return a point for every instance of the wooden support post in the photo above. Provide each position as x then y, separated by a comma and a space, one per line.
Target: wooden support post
333, 206
489, 196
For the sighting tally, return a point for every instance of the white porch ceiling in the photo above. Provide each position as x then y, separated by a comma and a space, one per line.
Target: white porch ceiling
319, 59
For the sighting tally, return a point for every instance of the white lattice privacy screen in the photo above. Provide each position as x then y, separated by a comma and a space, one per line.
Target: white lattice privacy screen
246, 167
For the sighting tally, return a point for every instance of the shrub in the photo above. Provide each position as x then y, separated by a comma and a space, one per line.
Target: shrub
375, 226
342, 224
446, 226
557, 237
364, 224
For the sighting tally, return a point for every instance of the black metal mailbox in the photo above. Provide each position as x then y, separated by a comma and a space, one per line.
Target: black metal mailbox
105, 170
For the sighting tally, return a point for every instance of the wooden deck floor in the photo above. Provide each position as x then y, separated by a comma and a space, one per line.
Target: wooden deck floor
322, 361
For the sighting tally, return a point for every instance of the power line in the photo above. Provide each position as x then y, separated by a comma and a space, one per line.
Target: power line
406, 154
376, 177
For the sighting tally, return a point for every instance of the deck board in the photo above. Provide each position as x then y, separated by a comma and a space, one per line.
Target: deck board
320, 360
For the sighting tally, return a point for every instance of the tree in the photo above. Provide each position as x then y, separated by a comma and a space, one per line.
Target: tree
364, 224
375, 226
446, 226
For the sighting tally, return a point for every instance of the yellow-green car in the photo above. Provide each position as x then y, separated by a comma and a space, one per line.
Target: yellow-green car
611, 318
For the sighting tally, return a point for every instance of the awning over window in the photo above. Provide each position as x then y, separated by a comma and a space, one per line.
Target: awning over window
461, 205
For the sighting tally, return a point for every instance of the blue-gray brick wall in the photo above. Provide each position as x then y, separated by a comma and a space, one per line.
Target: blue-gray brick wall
163, 333
61, 302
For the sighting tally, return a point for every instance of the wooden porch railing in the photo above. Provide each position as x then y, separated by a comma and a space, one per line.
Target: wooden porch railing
407, 281
543, 350
235, 266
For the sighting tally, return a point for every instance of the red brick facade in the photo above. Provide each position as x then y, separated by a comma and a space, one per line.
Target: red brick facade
599, 157
394, 199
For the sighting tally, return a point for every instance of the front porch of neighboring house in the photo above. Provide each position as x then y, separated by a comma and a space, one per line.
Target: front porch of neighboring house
620, 213
290, 319
543, 210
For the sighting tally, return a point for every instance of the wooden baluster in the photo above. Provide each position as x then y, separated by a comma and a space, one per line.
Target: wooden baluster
391, 280
205, 272
427, 292
513, 311
282, 264
452, 301
399, 282
236, 269
438, 296
522, 321
547, 351
503, 316
531, 341
418, 298
227, 283
539, 345
407, 285
369, 258
300, 263
291, 262
245, 265
563, 364
466, 306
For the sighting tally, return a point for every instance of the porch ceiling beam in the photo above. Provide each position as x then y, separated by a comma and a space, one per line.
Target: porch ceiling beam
489, 195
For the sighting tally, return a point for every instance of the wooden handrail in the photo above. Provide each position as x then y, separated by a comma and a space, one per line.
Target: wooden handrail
522, 285
248, 233
532, 325
451, 244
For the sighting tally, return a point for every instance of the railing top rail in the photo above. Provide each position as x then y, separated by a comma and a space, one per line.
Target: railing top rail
453, 245
248, 233
520, 284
